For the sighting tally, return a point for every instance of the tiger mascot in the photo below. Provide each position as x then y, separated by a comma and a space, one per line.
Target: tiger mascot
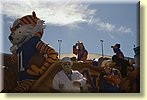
26, 34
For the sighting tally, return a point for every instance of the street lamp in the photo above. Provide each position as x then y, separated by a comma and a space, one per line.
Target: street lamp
59, 41
102, 47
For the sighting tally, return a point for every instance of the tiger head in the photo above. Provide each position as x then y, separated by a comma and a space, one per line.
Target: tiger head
24, 28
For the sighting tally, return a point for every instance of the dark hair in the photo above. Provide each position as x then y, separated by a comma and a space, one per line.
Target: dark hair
82, 45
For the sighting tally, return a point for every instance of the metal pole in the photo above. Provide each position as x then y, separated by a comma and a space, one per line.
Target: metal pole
59, 41
102, 47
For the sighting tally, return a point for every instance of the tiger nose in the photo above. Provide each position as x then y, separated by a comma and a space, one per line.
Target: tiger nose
10, 38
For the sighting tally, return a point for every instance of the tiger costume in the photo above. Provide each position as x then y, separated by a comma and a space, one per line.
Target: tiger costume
26, 34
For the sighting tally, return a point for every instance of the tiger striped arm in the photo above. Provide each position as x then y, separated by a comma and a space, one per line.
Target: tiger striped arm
52, 55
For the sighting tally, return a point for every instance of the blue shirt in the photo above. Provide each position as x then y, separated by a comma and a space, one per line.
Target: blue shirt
25, 53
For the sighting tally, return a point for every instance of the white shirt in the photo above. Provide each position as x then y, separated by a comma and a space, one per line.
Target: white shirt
61, 78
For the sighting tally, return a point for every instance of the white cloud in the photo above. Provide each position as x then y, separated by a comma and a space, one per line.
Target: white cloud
105, 26
108, 27
57, 13
123, 29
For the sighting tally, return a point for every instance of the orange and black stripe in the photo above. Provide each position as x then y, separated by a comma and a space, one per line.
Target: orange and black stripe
23, 86
52, 54
29, 19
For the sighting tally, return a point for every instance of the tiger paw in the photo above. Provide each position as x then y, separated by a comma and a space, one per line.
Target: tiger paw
35, 71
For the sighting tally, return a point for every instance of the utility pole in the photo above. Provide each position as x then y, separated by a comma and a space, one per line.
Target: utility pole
59, 41
102, 47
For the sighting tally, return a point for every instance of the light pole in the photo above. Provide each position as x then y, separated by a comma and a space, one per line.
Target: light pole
59, 41
102, 47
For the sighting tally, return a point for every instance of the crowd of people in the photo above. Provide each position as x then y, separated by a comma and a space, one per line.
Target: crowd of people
114, 72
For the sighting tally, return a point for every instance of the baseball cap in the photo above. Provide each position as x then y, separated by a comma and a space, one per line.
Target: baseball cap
116, 45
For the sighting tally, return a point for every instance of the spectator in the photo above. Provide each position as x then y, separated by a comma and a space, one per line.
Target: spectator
118, 52
110, 80
80, 51
68, 80
119, 60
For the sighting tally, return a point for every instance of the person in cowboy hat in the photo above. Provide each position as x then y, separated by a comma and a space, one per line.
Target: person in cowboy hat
110, 78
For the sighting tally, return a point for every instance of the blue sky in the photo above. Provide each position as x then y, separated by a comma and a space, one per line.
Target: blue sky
88, 22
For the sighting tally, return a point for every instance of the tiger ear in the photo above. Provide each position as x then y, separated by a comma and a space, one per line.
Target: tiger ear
34, 14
